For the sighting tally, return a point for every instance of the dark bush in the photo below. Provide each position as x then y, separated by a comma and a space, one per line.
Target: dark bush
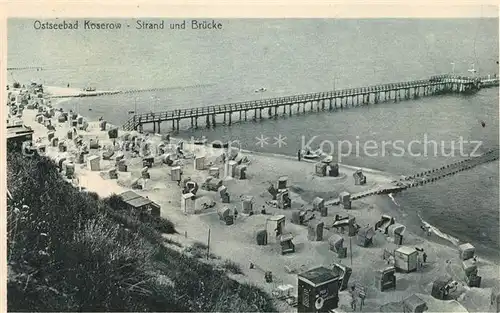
70, 251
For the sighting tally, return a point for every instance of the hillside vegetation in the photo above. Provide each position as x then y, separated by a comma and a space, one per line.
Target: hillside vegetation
71, 251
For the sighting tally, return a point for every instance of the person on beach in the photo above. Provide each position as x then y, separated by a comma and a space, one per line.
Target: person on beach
353, 298
424, 256
362, 300
298, 155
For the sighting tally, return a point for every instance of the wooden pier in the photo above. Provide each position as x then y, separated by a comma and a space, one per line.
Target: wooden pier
426, 177
319, 101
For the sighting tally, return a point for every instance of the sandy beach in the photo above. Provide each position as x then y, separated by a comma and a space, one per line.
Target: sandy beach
237, 242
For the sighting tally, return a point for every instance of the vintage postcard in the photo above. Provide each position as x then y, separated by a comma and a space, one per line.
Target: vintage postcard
337, 158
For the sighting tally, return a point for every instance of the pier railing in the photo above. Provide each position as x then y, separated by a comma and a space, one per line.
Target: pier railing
439, 80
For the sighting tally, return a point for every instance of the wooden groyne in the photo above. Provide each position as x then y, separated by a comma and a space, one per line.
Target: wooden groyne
433, 175
319, 101
425, 177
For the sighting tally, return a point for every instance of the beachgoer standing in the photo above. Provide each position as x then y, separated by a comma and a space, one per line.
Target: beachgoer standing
298, 155
424, 256
353, 298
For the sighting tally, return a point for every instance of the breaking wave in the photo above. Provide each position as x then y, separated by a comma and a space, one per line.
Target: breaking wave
438, 232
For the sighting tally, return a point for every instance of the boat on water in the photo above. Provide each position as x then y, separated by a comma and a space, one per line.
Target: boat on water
261, 89
310, 155
89, 89
219, 145
200, 141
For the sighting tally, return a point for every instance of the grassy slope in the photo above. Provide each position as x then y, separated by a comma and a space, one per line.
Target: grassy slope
70, 251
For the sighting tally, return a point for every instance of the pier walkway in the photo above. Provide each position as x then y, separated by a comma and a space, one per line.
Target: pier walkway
329, 100
426, 177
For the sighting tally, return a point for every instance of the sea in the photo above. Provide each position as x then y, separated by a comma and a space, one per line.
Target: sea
195, 68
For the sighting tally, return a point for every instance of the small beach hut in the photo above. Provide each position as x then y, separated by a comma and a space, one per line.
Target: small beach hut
224, 195
466, 251
188, 203
144, 173
352, 226
320, 169
138, 204
396, 231
122, 165
113, 133
229, 220
318, 204
102, 125
277, 223
359, 178
51, 134
283, 198
70, 170
223, 213
336, 242
405, 259
118, 156
239, 158
214, 172
261, 237
107, 154
208, 185
365, 236
332, 169
112, 174
148, 161
231, 168
94, 144
62, 118
167, 159
282, 183
41, 148
344, 273
495, 298
62, 146
298, 217
175, 173
345, 200
386, 278
287, 246
315, 230
469, 267
199, 163
247, 204
441, 287
241, 172
94, 163
80, 157
414, 304
54, 142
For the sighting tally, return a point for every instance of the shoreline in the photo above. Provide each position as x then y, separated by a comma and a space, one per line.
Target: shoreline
264, 167
438, 236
